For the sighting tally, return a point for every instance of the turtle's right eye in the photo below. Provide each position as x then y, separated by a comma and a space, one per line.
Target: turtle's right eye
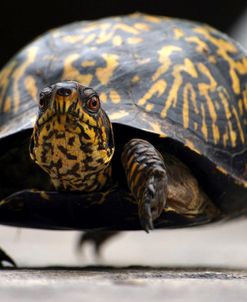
44, 99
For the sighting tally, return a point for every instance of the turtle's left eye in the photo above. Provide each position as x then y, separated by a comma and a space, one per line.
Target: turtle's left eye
93, 103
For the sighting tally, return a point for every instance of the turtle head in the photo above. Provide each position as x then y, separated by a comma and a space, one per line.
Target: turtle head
72, 134
72, 105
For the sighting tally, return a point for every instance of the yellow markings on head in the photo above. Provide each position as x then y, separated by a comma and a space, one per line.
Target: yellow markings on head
187, 67
178, 33
71, 73
204, 128
135, 79
104, 73
89, 130
201, 46
118, 115
60, 125
7, 104
31, 87
134, 40
117, 40
115, 97
204, 90
103, 97
18, 74
230, 133
61, 155
88, 63
4, 82
158, 87
164, 59
224, 49
191, 146
142, 26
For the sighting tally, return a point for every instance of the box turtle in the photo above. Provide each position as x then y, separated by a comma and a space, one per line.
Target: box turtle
142, 123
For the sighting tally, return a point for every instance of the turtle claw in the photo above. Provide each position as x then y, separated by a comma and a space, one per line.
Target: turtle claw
146, 219
153, 199
5, 258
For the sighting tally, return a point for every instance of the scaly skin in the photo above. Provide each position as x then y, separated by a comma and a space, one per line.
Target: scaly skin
71, 143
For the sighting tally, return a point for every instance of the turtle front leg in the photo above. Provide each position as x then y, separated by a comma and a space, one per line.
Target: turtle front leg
147, 179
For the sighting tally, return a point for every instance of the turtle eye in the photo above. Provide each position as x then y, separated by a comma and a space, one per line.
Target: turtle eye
93, 103
44, 100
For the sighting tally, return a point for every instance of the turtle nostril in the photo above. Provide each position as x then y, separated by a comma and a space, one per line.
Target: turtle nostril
64, 91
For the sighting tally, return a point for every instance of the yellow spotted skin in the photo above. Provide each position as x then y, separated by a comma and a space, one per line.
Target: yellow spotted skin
72, 144
182, 80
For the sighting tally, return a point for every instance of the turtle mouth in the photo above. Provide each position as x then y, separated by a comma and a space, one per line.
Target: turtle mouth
68, 121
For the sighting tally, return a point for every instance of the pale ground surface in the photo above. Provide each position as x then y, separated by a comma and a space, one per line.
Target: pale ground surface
200, 264
220, 245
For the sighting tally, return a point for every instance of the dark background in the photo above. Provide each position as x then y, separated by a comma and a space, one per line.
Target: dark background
21, 21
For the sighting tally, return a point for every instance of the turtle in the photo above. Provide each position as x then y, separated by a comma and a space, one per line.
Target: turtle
124, 123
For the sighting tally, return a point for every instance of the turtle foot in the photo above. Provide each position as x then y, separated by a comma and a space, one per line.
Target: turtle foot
97, 238
153, 199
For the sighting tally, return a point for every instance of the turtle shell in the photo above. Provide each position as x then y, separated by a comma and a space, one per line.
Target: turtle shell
178, 79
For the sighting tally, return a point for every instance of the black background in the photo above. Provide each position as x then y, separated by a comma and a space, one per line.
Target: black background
21, 21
